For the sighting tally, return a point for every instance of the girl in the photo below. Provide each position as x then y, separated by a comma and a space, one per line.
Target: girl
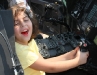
25, 28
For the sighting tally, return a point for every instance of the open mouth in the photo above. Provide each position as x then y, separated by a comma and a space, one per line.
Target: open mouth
25, 32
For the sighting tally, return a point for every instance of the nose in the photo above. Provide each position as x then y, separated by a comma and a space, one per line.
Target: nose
23, 24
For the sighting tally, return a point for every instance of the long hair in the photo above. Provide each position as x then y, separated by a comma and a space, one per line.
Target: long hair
16, 10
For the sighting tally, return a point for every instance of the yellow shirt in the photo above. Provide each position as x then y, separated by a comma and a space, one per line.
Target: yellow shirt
27, 56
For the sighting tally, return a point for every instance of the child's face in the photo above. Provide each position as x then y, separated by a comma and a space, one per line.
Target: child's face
23, 28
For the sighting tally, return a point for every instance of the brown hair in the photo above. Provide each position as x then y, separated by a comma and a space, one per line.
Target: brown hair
16, 10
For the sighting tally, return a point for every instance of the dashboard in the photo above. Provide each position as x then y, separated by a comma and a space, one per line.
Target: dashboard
81, 29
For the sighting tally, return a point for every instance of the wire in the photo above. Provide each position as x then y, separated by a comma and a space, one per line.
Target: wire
36, 8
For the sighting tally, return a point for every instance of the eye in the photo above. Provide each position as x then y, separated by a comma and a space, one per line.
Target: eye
26, 20
16, 23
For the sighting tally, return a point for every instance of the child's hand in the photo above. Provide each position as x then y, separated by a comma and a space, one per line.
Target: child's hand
71, 54
81, 57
